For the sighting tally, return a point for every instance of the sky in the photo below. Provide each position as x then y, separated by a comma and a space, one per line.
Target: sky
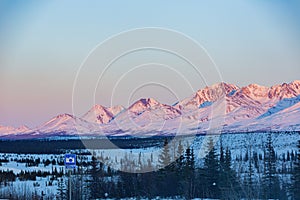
43, 44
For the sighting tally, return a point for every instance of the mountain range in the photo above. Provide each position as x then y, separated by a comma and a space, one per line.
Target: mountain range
222, 106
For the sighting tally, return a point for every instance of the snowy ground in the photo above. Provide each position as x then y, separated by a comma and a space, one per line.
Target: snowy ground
237, 143
27, 188
17, 167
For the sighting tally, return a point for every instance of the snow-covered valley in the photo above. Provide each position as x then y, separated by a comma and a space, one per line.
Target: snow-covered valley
246, 149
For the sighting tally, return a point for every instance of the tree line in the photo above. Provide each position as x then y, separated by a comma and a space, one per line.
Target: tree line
214, 178
250, 175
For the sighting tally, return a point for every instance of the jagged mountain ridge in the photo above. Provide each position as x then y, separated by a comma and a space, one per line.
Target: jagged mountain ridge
11, 130
98, 114
252, 107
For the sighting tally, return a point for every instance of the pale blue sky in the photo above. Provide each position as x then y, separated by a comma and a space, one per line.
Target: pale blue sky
42, 44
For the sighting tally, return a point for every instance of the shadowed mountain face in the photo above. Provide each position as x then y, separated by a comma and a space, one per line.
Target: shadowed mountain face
251, 108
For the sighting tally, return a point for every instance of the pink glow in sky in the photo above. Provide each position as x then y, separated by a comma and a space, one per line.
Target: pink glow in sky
43, 44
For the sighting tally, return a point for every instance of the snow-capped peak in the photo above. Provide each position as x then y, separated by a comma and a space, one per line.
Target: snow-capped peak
208, 94
6, 129
60, 119
67, 123
252, 106
296, 82
142, 104
255, 91
64, 116
98, 107
285, 90
226, 87
23, 128
115, 110
98, 114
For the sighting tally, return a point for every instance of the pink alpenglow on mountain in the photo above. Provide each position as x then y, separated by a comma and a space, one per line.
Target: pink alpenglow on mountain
98, 114
249, 108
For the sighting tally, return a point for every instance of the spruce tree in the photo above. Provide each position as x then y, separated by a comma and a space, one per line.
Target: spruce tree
211, 170
166, 173
96, 190
189, 173
164, 157
222, 173
178, 168
271, 187
228, 182
296, 175
180, 152
249, 183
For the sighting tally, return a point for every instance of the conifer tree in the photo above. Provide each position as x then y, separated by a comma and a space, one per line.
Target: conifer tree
178, 168
211, 170
95, 181
180, 152
164, 157
271, 187
222, 158
166, 174
189, 173
228, 182
248, 182
296, 175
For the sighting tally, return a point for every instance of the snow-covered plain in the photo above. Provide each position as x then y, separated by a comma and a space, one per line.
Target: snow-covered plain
16, 167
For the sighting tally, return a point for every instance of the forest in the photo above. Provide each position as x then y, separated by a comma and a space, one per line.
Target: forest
219, 175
